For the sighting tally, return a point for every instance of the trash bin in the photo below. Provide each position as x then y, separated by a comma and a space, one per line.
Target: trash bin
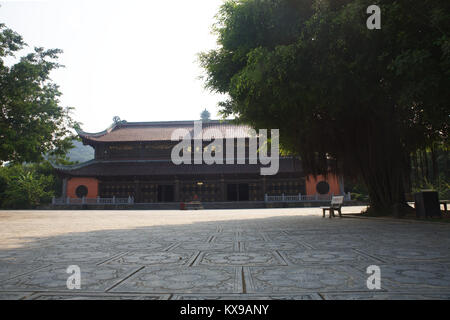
427, 204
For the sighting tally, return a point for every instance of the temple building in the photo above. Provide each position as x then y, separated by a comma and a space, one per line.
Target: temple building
133, 159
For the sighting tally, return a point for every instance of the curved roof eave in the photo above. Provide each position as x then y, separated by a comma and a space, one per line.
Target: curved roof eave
72, 167
88, 135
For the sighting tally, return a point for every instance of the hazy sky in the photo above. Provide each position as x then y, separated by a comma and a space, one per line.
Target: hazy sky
135, 59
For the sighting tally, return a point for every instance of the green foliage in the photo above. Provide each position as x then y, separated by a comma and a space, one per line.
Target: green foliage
345, 98
359, 197
441, 185
430, 165
27, 186
357, 190
32, 125
32, 122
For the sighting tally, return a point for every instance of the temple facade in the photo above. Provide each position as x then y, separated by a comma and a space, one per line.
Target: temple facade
133, 159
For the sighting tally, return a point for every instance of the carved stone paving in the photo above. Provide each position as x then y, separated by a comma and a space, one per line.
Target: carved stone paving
386, 296
225, 246
93, 296
93, 278
313, 256
139, 246
260, 254
8, 271
306, 296
14, 295
185, 238
240, 259
256, 246
188, 280
75, 256
408, 254
416, 277
152, 258
309, 279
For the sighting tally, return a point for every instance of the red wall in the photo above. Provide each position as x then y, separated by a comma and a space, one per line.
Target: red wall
332, 180
90, 183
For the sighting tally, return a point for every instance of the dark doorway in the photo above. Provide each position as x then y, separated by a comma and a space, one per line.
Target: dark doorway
165, 193
243, 193
232, 192
237, 192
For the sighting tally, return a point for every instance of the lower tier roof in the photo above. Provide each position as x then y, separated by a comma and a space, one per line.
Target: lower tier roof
97, 168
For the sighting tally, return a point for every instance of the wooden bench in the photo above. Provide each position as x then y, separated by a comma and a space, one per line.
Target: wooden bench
444, 203
336, 204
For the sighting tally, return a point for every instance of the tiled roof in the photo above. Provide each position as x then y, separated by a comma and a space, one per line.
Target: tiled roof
156, 168
162, 131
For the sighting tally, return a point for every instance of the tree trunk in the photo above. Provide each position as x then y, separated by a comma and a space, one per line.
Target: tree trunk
434, 164
386, 192
385, 170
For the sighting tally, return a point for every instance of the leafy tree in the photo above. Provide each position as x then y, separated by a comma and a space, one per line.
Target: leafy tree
430, 165
346, 99
32, 122
27, 186
3, 184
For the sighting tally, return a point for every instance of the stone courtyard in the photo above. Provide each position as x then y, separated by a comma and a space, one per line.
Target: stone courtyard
220, 254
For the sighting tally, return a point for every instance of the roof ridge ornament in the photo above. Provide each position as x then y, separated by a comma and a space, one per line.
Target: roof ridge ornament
116, 123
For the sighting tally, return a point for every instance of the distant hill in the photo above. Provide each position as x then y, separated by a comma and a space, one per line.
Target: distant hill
80, 153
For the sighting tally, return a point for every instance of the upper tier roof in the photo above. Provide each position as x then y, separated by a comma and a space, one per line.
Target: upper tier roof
161, 131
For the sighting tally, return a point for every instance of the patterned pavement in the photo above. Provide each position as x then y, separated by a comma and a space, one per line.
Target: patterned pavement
221, 254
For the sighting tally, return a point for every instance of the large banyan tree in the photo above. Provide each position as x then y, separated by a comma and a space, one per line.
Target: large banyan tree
346, 99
